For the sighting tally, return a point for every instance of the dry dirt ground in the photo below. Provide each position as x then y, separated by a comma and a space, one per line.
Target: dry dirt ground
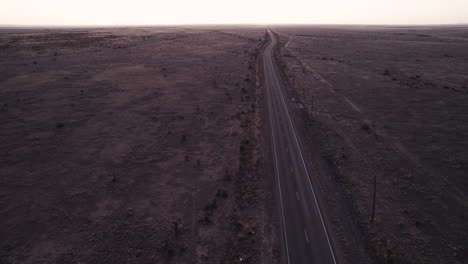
390, 103
131, 145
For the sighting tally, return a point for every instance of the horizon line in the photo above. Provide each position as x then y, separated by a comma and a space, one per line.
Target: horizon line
45, 26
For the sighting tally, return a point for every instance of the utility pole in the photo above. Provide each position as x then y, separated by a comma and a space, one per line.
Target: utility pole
374, 192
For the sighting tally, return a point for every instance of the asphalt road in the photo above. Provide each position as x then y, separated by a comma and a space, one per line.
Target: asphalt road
306, 238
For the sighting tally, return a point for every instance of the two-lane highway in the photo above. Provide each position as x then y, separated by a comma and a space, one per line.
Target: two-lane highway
306, 238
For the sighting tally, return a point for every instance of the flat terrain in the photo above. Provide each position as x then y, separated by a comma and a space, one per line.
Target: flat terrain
157, 145
131, 145
389, 103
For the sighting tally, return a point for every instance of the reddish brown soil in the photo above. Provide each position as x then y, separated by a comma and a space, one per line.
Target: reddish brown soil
390, 103
131, 145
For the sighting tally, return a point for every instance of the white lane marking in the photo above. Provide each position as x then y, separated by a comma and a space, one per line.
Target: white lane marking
276, 164
297, 196
303, 163
307, 238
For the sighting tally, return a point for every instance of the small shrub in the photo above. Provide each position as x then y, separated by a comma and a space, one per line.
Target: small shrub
211, 207
227, 176
242, 148
365, 127
388, 255
176, 228
221, 194
206, 220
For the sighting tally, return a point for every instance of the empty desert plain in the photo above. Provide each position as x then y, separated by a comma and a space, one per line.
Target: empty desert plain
390, 103
129, 145
152, 144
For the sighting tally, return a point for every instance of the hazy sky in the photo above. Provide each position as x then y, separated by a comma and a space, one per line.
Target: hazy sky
137, 12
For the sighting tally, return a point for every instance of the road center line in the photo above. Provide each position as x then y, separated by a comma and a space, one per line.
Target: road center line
302, 158
275, 150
